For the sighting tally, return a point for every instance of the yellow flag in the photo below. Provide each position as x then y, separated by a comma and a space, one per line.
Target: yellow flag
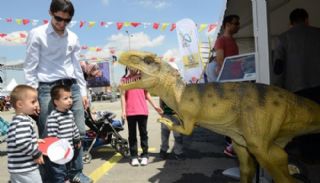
91, 24
164, 26
202, 27
19, 21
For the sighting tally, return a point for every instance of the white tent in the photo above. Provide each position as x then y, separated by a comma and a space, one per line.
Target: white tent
262, 21
13, 83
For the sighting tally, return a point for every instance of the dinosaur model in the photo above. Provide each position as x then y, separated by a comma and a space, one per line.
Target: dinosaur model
260, 119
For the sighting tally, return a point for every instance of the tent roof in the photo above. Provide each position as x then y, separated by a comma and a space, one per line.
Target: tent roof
279, 11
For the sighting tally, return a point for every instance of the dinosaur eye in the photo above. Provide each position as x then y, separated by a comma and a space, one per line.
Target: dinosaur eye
148, 60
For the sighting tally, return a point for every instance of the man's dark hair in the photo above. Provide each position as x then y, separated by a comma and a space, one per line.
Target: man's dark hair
62, 5
55, 91
229, 18
298, 15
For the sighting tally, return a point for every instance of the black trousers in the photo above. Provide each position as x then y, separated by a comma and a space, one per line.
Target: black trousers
141, 121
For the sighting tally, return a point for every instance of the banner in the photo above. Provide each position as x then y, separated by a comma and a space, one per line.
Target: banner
189, 50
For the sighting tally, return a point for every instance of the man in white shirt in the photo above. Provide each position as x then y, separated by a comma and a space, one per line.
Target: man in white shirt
52, 59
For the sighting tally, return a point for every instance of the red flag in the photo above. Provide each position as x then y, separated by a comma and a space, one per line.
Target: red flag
102, 23
135, 24
98, 49
22, 35
171, 59
211, 27
84, 47
119, 25
8, 20
25, 21
82, 23
173, 26
3, 35
156, 25
45, 21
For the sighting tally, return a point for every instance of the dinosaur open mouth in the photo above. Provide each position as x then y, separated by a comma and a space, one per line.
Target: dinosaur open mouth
131, 79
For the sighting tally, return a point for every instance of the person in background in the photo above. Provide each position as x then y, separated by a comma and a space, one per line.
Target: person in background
226, 46
23, 153
165, 132
296, 61
52, 58
135, 110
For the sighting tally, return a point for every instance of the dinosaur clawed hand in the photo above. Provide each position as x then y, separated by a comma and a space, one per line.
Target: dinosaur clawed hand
166, 122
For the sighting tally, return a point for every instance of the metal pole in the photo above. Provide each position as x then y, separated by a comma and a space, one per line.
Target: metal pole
129, 39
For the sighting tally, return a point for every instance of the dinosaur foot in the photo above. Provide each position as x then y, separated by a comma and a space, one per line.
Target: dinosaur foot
166, 122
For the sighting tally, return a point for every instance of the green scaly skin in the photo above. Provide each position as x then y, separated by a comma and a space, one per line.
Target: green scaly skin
260, 119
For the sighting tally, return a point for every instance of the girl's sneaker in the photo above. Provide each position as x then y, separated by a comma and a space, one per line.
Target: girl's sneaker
135, 162
144, 161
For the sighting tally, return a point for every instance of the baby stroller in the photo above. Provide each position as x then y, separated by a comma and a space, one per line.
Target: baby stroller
4, 127
103, 130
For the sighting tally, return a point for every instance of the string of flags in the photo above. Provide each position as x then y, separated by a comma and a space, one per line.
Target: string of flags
107, 24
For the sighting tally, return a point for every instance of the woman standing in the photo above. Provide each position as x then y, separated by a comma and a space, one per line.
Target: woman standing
135, 110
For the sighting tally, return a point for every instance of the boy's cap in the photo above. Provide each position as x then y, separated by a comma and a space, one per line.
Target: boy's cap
60, 152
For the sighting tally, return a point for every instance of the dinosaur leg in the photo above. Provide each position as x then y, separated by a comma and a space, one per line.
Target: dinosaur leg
275, 160
247, 164
185, 129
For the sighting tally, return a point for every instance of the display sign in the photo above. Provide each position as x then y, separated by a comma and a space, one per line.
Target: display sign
102, 81
238, 68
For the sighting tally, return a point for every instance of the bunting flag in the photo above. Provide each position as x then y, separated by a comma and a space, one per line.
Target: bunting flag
105, 24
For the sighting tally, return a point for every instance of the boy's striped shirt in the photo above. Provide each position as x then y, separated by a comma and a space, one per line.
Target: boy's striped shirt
22, 145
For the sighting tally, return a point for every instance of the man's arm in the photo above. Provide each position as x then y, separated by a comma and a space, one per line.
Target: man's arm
32, 60
79, 74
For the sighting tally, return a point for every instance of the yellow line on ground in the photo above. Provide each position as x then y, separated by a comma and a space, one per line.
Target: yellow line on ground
105, 167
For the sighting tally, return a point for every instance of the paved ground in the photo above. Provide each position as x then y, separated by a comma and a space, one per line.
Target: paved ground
205, 160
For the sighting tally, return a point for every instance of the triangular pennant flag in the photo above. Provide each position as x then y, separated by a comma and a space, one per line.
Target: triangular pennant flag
22, 35
171, 59
103, 24
19, 21
164, 26
202, 27
98, 49
127, 24
84, 47
9, 20
92, 49
25, 21
155, 25
34, 22
173, 26
82, 23
135, 24
45, 21
119, 25
3, 35
91, 23
212, 27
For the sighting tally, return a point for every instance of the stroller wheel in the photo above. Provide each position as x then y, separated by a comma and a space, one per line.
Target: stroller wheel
86, 158
113, 143
124, 150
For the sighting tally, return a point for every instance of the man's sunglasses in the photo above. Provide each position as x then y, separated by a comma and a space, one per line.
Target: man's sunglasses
60, 19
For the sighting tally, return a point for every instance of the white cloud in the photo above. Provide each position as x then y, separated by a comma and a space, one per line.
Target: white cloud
105, 2
158, 4
120, 41
17, 38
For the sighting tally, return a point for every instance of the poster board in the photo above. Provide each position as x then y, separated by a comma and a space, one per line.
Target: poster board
102, 81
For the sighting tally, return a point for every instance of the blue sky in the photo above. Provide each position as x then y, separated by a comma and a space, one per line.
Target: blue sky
161, 42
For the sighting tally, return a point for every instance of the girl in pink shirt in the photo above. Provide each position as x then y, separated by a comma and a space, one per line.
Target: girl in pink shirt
135, 110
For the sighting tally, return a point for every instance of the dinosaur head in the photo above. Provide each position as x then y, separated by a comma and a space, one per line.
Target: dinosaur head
151, 70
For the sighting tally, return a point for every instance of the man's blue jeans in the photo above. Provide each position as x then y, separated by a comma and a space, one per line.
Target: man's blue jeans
46, 107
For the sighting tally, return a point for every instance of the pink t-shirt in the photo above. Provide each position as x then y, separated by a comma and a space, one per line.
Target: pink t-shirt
136, 103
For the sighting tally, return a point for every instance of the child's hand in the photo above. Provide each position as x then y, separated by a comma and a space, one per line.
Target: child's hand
78, 145
159, 110
41, 141
39, 160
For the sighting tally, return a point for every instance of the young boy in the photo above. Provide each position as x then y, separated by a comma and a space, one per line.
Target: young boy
23, 153
60, 123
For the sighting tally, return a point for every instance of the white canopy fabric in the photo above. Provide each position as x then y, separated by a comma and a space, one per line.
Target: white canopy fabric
13, 83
